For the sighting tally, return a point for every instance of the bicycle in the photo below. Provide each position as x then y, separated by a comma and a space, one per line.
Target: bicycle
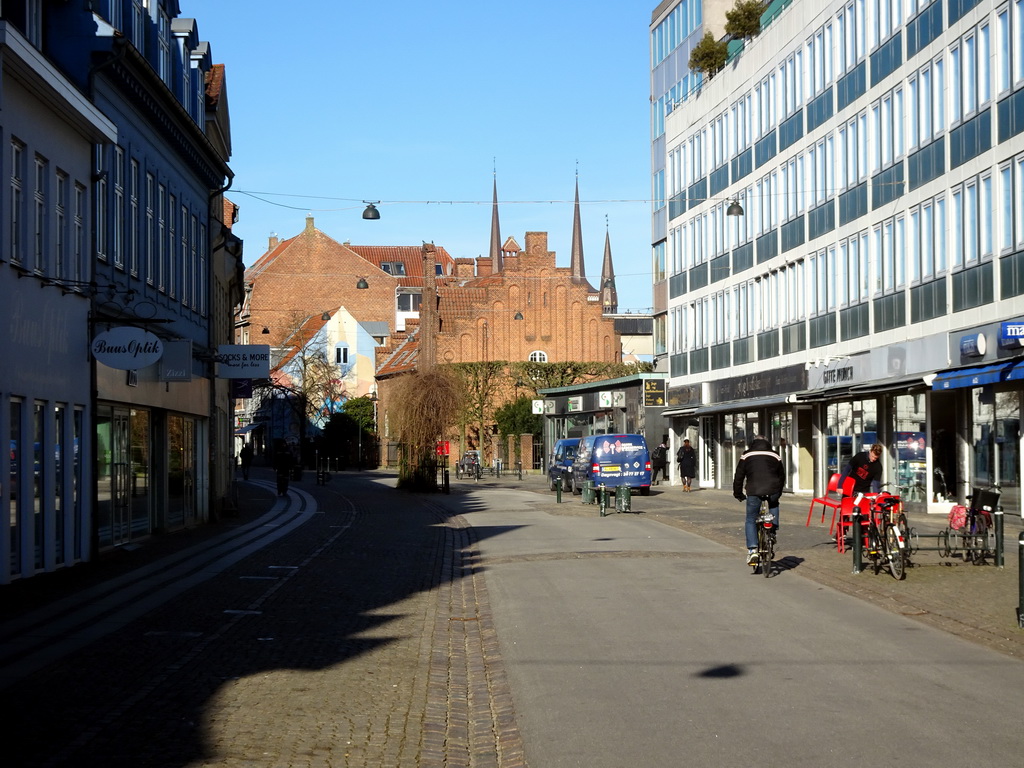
765, 524
972, 532
885, 541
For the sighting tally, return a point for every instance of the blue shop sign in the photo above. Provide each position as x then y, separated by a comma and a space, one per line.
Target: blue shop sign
973, 345
1011, 333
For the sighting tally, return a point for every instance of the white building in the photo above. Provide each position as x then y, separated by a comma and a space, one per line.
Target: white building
873, 288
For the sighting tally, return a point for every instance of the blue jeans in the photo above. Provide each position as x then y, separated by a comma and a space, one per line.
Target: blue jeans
753, 510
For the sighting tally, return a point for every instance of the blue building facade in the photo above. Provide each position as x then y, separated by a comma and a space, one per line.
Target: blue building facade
131, 235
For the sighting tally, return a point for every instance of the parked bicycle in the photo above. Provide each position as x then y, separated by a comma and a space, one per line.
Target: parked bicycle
884, 539
765, 539
970, 532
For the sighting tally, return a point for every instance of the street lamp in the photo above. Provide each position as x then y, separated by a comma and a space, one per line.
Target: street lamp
734, 209
371, 213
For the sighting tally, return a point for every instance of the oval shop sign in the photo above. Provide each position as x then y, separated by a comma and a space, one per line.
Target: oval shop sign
127, 348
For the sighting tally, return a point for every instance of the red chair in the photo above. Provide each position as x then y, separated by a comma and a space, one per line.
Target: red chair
830, 499
844, 521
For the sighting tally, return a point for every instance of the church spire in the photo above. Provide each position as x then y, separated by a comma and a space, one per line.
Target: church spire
576, 260
609, 296
496, 262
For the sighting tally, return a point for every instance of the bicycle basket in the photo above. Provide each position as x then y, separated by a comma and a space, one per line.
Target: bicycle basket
984, 500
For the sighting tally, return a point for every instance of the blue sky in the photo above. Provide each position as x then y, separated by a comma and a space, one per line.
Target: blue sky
415, 104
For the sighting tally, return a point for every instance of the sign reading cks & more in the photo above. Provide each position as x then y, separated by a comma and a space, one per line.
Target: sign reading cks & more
126, 348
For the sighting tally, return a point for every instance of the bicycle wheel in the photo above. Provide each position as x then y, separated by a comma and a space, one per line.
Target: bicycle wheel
942, 542
876, 547
970, 543
764, 551
894, 552
904, 529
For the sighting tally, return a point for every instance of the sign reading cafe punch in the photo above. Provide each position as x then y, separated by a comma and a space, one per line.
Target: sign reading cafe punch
127, 348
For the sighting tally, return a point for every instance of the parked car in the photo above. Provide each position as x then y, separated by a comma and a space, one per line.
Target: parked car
468, 465
612, 460
560, 465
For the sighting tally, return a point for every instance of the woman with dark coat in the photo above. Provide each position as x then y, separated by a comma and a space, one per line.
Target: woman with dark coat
687, 458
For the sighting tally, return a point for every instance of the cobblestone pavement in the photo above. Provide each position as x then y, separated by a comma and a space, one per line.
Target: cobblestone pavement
362, 638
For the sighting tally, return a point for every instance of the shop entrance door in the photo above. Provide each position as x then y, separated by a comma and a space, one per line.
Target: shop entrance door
706, 459
117, 481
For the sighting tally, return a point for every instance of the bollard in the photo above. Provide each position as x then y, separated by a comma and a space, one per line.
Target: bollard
588, 492
447, 481
858, 542
999, 537
558, 489
623, 500
603, 499
1020, 578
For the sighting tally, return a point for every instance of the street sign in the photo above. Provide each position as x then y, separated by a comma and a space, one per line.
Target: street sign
654, 392
574, 404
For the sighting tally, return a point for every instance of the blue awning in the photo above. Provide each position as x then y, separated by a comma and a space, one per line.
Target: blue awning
979, 377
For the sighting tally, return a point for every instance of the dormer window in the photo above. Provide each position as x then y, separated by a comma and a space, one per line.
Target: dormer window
396, 268
408, 301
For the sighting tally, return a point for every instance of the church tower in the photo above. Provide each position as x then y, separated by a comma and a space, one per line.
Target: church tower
576, 258
609, 296
495, 254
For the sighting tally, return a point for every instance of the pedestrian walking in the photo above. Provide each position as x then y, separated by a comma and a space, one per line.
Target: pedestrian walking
283, 463
686, 457
659, 462
245, 456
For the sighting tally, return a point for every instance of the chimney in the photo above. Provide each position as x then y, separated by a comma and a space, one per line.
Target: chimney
537, 243
309, 222
273, 242
484, 266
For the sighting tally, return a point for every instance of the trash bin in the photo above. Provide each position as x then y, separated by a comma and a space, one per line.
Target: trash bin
588, 492
623, 498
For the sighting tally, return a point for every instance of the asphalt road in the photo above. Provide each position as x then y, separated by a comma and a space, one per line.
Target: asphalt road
628, 642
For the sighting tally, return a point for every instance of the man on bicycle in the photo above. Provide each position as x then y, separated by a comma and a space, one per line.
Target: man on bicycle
765, 475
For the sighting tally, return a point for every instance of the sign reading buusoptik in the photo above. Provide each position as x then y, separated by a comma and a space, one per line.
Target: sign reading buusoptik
127, 348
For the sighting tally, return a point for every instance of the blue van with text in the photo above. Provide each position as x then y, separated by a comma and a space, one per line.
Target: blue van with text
612, 460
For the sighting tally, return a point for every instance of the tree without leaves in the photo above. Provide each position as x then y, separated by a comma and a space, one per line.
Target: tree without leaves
424, 406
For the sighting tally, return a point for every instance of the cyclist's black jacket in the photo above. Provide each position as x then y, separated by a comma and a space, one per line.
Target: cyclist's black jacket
762, 469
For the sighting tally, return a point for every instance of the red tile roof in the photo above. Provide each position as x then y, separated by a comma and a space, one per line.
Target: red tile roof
402, 359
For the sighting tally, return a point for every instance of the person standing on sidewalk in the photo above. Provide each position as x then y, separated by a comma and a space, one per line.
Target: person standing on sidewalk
761, 472
283, 464
687, 459
245, 456
659, 462
866, 471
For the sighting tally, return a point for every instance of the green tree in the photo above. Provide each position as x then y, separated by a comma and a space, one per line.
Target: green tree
709, 55
517, 418
481, 383
744, 20
551, 375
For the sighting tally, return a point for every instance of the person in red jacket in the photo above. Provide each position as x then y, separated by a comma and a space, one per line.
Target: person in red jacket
759, 472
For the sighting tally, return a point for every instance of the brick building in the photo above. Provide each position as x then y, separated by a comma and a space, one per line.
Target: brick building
515, 305
311, 273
